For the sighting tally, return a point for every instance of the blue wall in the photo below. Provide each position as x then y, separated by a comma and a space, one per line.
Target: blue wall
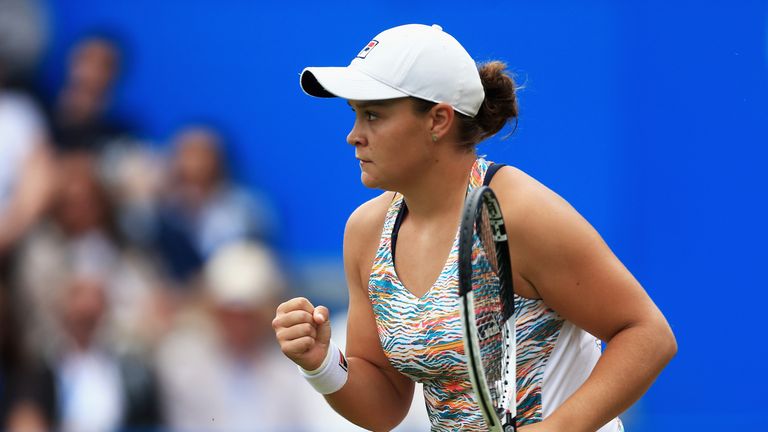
695, 103
651, 119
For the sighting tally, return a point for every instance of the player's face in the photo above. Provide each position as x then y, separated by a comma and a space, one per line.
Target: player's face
392, 142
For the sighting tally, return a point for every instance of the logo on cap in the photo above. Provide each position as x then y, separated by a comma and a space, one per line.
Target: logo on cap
364, 52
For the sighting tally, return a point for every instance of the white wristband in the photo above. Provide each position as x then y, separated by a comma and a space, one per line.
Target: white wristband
331, 376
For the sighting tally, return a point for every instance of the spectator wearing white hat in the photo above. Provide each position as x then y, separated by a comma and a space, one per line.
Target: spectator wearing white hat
220, 370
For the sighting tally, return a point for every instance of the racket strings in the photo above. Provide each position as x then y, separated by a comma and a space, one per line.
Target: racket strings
489, 312
499, 259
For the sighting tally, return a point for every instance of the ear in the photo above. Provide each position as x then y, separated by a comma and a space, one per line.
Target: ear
441, 118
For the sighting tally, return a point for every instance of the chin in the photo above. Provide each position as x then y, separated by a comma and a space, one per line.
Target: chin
370, 182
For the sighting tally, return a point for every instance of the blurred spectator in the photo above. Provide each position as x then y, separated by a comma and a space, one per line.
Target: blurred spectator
25, 167
135, 177
27, 401
79, 116
99, 389
203, 209
221, 369
79, 236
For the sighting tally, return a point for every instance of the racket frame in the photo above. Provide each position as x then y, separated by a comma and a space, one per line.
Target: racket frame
484, 196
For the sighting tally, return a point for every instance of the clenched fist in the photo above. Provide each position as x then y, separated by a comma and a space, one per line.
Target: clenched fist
303, 332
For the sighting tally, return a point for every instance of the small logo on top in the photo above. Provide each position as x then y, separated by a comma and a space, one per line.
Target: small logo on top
364, 52
343, 361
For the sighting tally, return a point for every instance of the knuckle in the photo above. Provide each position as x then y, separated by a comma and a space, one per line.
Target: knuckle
307, 343
301, 317
306, 328
284, 349
281, 307
304, 302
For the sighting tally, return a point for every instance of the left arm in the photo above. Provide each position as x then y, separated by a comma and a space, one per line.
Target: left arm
31, 196
566, 263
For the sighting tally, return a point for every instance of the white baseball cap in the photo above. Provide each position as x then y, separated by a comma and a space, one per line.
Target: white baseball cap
409, 60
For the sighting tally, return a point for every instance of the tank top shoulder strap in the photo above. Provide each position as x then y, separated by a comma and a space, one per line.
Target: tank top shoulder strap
394, 216
493, 168
482, 173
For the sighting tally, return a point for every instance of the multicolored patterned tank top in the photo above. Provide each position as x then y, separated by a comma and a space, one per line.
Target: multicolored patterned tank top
422, 336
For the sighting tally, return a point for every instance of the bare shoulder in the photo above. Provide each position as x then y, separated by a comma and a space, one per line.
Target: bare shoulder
525, 200
566, 261
363, 231
542, 226
367, 221
510, 180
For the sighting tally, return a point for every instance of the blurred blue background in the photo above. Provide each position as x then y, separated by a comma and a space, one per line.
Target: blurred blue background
650, 117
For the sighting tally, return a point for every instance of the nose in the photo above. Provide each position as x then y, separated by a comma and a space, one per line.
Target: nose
355, 137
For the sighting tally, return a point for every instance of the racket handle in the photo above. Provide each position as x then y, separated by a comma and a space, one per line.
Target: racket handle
511, 423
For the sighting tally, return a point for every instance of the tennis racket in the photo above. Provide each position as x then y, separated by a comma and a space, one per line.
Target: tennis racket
486, 299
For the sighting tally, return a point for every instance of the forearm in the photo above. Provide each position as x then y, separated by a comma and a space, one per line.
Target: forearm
16, 221
632, 360
13, 224
370, 397
29, 200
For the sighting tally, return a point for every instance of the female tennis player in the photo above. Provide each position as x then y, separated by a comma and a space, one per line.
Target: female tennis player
421, 106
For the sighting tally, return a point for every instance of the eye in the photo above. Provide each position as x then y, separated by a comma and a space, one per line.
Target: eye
370, 115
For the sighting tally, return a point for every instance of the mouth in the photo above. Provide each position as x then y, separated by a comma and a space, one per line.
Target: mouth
363, 161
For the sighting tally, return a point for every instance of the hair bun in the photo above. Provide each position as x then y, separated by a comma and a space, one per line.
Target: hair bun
500, 103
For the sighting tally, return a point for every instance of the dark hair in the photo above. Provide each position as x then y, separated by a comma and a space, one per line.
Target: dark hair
499, 105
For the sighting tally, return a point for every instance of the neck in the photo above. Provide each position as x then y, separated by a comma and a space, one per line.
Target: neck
440, 188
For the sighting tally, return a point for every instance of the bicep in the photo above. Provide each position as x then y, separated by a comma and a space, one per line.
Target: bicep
573, 270
362, 335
